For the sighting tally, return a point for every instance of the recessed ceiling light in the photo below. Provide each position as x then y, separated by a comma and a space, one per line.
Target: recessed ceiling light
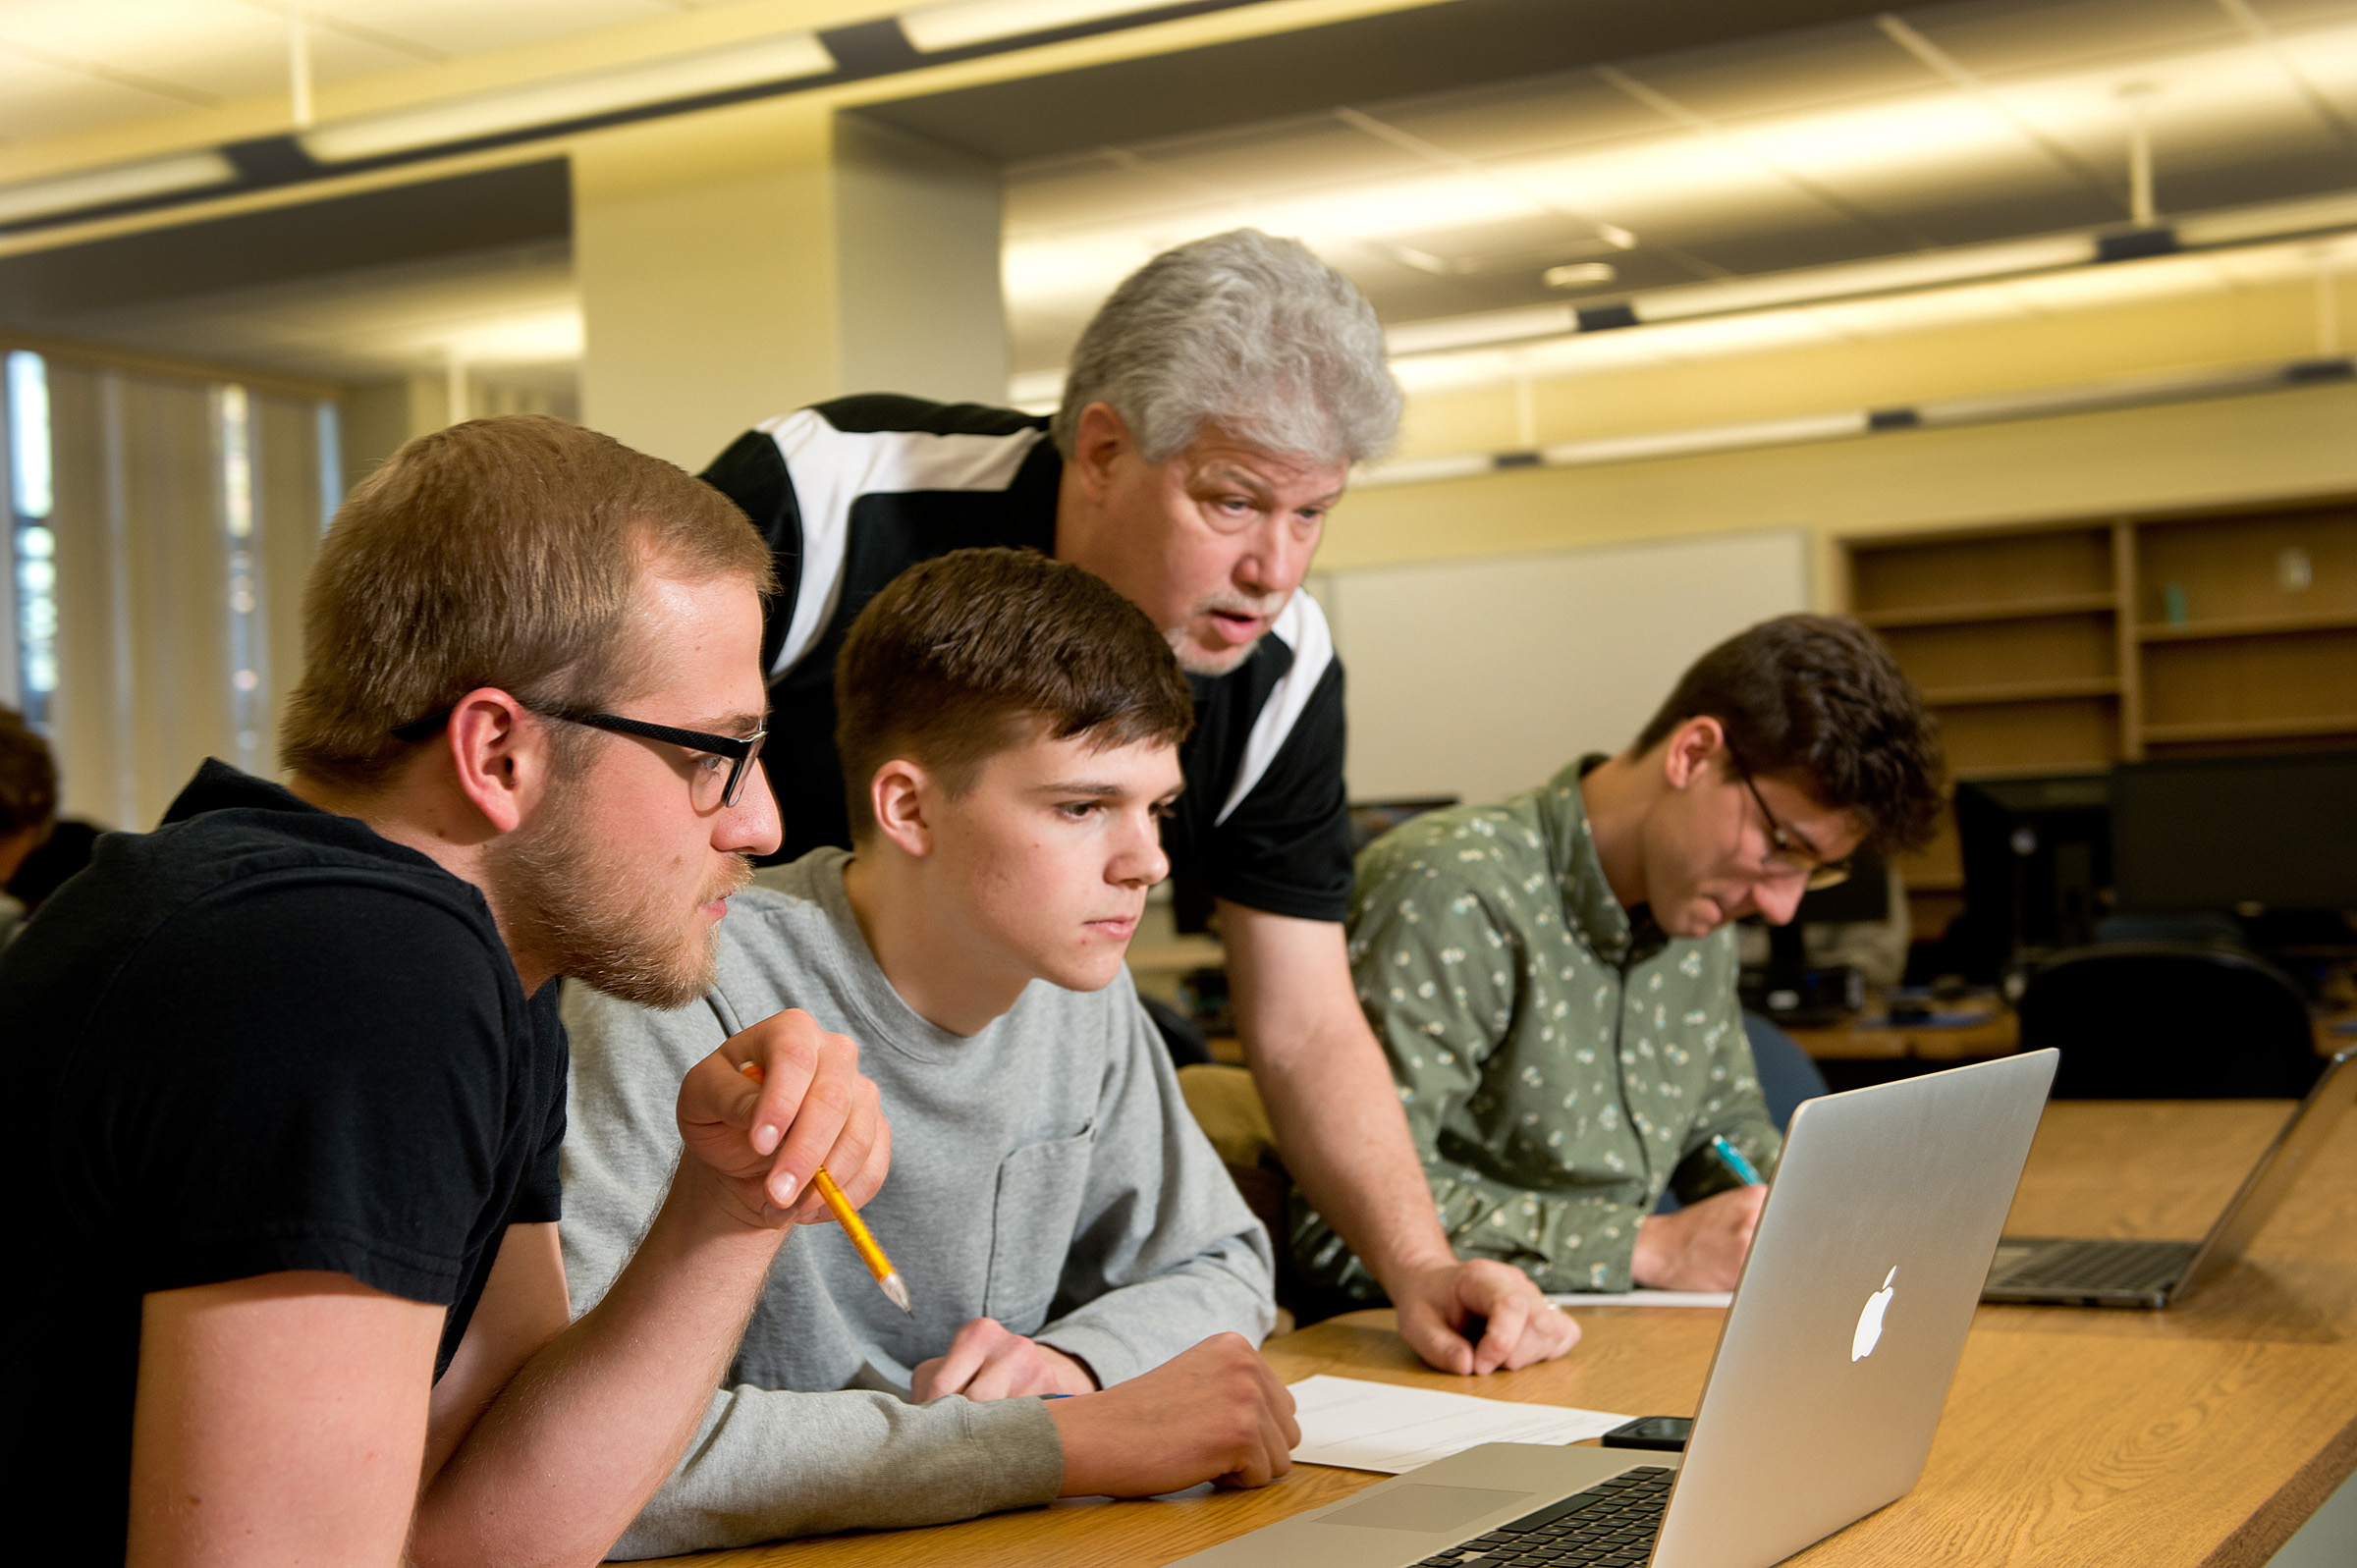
1579, 274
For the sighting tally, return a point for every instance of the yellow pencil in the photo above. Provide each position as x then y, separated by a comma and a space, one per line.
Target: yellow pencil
888, 1278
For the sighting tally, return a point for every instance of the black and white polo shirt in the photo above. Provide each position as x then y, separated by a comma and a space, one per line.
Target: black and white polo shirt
851, 493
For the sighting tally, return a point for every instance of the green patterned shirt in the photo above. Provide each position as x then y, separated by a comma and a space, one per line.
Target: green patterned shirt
1558, 1068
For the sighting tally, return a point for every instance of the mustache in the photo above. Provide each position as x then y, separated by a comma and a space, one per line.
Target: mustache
731, 881
1265, 605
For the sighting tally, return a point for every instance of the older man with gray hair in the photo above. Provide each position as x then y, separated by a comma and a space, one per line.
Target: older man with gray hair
1213, 407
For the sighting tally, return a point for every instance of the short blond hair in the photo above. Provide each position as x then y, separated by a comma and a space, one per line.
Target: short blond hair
502, 552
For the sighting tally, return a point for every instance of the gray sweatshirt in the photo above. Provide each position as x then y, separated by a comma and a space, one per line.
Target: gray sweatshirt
1045, 1172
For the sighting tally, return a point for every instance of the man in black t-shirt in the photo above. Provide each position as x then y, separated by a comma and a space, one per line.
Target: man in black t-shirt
1213, 410
289, 1284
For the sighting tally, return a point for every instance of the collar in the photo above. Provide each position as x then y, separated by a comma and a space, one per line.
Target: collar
1590, 910
218, 786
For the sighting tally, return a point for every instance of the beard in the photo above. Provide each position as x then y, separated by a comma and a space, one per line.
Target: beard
565, 897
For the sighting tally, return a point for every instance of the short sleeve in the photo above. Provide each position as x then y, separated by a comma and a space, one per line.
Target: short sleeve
314, 1074
541, 1199
1285, 847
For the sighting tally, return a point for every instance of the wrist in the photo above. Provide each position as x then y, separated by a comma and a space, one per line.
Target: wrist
1649, 1259
704, 1206
1073, 1377
1407, 1274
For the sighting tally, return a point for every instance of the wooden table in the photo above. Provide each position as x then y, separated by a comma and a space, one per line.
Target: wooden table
2000, 1036
2201, 1435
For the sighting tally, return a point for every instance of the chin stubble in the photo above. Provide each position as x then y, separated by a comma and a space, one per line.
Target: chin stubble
565, 898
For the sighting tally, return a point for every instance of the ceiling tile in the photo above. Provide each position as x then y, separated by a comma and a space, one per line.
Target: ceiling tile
1516, 118
1091, 197
1322, 151
1776, 75
43, 100
471, 26
2005, 37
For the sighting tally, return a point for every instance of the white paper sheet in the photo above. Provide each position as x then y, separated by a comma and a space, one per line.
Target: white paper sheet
1355, 1424
1647, 1298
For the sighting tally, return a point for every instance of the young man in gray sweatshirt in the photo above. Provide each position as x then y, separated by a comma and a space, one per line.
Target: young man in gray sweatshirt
1009, 726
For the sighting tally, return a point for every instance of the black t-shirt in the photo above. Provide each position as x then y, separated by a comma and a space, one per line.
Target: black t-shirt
851, 493
259, 1039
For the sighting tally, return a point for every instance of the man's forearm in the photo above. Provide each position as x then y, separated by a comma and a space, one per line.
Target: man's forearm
1328, 1090
597, 1419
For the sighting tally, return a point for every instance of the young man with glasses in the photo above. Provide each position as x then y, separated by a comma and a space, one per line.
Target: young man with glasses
1554, 977
289, 1151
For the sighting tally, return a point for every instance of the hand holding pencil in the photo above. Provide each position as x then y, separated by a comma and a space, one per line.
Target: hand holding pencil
813, 1107
847, 1214
888, 1278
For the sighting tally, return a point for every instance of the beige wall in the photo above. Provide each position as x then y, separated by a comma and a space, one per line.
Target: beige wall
705, 252
737, 265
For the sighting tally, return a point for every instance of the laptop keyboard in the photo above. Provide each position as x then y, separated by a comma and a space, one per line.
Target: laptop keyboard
2090, 1265
1610, 1524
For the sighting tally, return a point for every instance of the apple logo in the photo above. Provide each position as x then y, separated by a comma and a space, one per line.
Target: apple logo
1870, 1321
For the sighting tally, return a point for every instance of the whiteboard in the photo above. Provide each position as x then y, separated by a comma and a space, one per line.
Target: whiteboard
1477, 678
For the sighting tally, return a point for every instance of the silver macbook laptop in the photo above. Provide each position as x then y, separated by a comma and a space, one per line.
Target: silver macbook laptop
1827, 1382
2083, 1273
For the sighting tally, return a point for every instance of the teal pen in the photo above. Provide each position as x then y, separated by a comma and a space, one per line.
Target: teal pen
1733, 1157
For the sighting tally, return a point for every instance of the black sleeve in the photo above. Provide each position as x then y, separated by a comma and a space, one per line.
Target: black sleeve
313, 1076
541, 1199
752, 473
1286, 848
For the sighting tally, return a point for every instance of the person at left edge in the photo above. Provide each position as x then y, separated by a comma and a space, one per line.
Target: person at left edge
1215, 406
289, 1152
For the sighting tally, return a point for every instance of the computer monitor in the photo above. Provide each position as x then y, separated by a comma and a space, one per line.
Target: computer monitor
2037, 853
2230, 833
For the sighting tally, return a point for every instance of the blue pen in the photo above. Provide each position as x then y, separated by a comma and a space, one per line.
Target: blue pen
1733, 1157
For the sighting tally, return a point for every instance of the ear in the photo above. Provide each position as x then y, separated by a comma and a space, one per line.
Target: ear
1102, 438
501, 755
898, 795
1690, 750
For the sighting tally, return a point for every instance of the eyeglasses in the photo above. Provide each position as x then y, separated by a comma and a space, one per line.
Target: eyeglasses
713, 787
1787, 856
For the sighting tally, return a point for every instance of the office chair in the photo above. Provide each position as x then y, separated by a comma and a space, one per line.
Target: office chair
1787, 1075
2170, 1021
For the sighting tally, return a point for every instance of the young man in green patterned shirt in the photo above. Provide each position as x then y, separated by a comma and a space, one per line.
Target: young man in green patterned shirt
1554, 977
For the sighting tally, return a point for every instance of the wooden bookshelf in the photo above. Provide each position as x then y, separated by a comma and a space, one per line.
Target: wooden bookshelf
2077, 643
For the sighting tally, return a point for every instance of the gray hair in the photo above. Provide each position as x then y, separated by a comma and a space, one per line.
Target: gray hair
1245, 329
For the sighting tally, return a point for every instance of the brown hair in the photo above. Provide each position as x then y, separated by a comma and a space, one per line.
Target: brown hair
28, 777
966, 655
1819, 698
503, 552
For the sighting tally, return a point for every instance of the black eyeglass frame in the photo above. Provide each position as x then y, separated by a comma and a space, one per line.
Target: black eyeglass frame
1822, 873
740, 750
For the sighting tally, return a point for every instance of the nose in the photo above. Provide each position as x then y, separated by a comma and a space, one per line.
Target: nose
1274, 559
1142, 861
752, 826
1779, 901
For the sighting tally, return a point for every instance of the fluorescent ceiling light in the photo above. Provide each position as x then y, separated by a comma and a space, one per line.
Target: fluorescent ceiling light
1486, 327
1423, 471
786, 58
1892, 275
930, 29
2127, 392
126, 181
1709, 437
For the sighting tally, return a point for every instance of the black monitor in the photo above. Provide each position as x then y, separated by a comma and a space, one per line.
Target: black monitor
2037, 853
2231, 833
